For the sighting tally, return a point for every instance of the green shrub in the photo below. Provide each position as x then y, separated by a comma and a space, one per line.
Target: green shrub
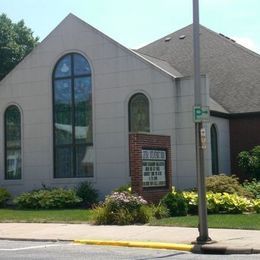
175, 203
143, 215
223, 203
122, 217
87, 193
249, 161
192, 201
4, 197
56, 198
253, 187
256, 205
228, 203
122, 208
160, 211
222, 183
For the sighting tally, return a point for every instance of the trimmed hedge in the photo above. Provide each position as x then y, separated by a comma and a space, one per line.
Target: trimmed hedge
57, 198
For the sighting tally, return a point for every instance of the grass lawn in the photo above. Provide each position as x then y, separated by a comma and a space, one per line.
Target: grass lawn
240, 221
247, 221
46, 216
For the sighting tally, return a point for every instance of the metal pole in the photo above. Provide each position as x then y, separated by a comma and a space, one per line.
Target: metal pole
203, 222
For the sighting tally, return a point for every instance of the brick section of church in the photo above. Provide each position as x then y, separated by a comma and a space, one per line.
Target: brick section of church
244, 135
137, 142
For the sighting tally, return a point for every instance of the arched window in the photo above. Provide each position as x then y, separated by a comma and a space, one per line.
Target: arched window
214, 149
13, 158
72, 115
139, 113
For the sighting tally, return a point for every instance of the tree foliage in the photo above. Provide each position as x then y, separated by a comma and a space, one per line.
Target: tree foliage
250, 162
16, 41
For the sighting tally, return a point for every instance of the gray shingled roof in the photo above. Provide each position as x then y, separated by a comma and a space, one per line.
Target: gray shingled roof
234, 71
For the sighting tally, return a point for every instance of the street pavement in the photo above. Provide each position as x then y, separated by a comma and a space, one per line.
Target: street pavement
225, 241
31, 250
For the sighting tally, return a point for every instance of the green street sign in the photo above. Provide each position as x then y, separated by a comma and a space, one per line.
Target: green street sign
200, 114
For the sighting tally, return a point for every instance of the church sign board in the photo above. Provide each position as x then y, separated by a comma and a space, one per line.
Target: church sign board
154, 168
150, 165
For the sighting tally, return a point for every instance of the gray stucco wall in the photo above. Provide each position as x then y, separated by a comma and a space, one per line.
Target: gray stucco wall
185, 159
117, 74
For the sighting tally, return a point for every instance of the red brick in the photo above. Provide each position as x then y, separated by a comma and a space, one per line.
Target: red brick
137, 142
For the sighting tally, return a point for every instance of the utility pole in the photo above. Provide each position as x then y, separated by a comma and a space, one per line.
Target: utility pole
203, 220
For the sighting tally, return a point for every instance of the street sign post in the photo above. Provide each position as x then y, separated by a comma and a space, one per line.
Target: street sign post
199, 113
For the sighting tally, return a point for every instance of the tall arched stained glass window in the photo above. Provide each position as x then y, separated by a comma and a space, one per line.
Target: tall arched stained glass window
139, 120
72, 114
12, 123
214, 149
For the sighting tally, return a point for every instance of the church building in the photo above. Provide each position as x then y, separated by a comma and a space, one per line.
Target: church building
68, 107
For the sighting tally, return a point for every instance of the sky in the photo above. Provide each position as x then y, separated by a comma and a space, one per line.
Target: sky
135, 23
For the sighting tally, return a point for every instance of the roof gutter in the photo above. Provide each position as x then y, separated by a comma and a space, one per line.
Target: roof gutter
234, 115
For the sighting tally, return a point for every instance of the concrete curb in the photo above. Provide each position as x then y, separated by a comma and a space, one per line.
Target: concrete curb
222, 250
155, 245
197, 249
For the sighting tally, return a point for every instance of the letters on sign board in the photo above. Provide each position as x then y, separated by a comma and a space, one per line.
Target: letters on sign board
153, 168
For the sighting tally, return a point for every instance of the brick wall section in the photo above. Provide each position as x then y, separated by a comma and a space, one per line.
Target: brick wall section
244, 135
137, 142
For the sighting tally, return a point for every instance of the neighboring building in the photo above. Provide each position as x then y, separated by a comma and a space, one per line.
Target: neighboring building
68, 107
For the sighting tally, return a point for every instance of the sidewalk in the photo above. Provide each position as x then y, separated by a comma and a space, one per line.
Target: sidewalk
227, 240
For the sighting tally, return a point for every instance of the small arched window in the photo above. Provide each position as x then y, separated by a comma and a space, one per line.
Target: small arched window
139, 120
214, 149
72, 115
13, 158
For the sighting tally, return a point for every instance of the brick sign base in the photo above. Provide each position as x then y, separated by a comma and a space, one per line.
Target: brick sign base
139, 142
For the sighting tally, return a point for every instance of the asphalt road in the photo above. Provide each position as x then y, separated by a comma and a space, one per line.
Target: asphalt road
62, 250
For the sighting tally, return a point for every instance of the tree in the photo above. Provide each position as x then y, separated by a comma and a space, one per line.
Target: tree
250, 162
16, 41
